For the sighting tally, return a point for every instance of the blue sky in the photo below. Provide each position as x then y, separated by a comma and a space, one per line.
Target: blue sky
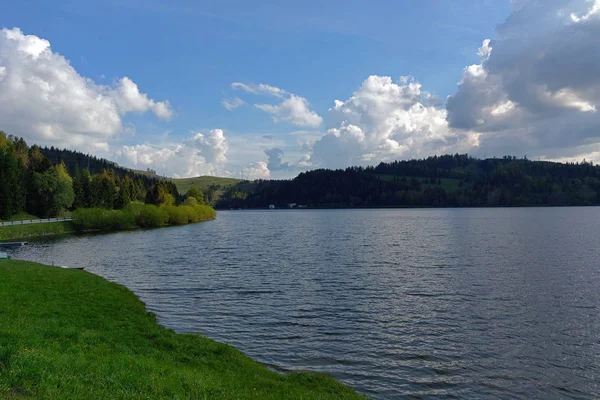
189, 53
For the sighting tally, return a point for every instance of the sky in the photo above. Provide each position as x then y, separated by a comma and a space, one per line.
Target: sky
268, 89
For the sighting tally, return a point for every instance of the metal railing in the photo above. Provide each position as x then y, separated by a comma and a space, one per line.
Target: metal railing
35, 221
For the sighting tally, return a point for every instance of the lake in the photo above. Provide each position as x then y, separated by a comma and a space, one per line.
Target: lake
467, 303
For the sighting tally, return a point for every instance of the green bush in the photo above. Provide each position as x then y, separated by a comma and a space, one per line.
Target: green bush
150, 216
178, 215
139, 215
92, 219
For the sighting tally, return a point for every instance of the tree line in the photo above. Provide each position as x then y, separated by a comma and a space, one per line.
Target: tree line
31, 182
440, 181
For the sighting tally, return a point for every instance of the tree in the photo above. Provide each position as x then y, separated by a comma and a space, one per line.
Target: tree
103, 190
125, 193
9, 183
162, 194
63, 194
190, 201
196, 194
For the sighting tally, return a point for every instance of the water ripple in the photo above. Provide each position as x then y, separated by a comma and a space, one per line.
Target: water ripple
472, 303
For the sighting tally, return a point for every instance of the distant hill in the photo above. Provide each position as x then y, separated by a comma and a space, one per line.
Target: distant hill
445, 181
75, 160
204, 182
149, 173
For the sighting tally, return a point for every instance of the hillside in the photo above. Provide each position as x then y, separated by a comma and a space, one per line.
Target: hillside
204, 182
76, 161
446, 181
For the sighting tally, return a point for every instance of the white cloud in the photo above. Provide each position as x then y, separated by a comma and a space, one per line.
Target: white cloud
275, 162
45, 100
257, 170
129, 99
201, 154
233, 103
595, 9
536, 90
261, 88
385, 120
295, 110
212, 145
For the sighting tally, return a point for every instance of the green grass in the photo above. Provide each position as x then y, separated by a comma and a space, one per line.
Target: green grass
22, 216
67, 334
202, 182
33, 230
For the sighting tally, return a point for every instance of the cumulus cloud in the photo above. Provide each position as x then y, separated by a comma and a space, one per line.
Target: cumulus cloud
200, 154
295, 110
45, 100
537, 88
385, 120
257, 170
128, 97
213, 145
275, 162
233, 103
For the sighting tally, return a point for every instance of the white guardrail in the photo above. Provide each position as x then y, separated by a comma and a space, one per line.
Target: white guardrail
34, 221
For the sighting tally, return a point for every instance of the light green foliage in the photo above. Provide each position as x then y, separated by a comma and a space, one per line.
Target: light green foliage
64, 195
139, 215
91, 219
150, 216
178, 215
196, 193
190, 201
67, 334
164, 197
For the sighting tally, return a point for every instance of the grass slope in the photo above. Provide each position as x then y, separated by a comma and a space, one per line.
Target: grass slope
22, 216
202, 182
72, 335
33, 230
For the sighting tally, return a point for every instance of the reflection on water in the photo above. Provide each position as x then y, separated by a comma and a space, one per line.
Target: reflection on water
456, 303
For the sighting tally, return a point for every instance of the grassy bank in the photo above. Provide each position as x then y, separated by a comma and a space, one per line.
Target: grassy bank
73, 335
22, 216
15, 232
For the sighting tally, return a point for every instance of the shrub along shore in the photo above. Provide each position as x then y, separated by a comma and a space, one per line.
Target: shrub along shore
73, 335
134, 216
138, 215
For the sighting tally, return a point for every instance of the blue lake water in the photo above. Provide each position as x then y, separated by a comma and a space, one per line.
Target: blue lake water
464, 303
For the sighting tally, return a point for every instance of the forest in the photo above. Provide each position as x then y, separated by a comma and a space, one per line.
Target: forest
440, 181
47, 183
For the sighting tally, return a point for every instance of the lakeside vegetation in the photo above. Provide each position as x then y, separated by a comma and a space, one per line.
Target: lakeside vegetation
446, 181
139, 215
72, 335
27, 231
100, 196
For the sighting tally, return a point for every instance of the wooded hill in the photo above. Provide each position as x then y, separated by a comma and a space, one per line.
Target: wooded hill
47, 182
440, 181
